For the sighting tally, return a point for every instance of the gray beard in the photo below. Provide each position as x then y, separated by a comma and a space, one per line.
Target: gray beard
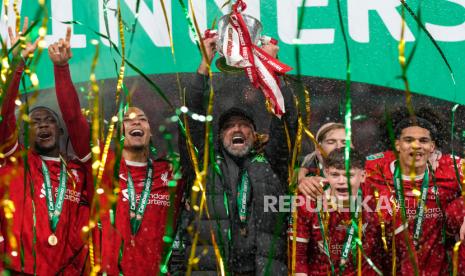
238, 152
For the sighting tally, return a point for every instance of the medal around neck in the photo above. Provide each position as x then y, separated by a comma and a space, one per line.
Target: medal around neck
54, 207
52, 240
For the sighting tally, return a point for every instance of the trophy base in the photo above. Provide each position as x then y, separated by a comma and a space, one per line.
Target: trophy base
223, 67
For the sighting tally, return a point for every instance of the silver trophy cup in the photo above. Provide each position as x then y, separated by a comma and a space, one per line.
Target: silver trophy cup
255, 29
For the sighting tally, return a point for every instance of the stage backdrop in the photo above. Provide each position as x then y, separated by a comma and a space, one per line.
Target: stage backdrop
373, 30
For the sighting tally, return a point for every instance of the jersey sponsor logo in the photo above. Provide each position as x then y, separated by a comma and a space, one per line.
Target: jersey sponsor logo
375, 156
336, 249
155, 198
411, 207
71, 195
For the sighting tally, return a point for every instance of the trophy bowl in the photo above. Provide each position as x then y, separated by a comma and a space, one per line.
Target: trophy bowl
255, 29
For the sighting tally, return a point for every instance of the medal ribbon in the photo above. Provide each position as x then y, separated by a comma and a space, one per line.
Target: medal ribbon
349, 240
243, 196
137, 213
421, 210
54, 209
323, 232
421, 204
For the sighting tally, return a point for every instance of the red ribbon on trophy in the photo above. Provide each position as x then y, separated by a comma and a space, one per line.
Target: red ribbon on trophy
261, 68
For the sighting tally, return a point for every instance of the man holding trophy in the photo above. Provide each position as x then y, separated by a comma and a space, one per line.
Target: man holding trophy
239, 236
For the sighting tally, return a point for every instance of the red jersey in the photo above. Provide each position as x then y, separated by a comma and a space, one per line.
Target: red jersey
311, 256
143, 251
30, 203
431, 253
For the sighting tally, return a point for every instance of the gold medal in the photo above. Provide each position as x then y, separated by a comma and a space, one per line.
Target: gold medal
52, 240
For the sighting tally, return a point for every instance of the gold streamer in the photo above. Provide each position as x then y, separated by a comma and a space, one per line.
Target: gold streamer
455, 258
119, 83
6, 3
315, 142
403, 64
9, 209
307, 106
381, 221
17, 15
199, 184
359, 251
293, 178
394, 214
162, 2
95, 126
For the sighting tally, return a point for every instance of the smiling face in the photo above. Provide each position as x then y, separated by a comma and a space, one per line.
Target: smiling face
338, 181
136, 130
238, 136
44, 132
415, 146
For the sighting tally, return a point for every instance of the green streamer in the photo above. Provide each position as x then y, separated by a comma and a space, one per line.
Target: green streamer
401, 193
132, 66
452, 138
168, 237
436, 45
190, 24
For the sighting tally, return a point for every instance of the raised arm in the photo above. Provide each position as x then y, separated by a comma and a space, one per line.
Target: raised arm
196, 102
68, 100
8, 131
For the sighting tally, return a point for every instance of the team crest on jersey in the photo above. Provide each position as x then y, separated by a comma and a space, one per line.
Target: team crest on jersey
393, 201
375, 156
164, 178
74, 172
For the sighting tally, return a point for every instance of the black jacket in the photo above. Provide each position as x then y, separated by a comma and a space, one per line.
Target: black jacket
260, 245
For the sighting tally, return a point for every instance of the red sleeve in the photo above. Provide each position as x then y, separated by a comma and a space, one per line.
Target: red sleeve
68, 100
8, 133
303, 232
455, 213
301, 264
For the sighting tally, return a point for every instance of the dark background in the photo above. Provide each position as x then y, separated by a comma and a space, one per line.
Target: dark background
369, 104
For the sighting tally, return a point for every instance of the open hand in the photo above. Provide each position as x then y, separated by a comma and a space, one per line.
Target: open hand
28, 48
311, 186
60, 52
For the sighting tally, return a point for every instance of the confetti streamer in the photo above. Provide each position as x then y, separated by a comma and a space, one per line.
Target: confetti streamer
400, 193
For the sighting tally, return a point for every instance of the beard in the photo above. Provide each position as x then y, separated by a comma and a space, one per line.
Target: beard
238, 152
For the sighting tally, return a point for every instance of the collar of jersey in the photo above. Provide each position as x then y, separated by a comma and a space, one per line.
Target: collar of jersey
406, 177
135, 164
48, 158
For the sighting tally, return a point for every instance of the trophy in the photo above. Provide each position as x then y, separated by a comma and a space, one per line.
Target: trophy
225, 31
239, 36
